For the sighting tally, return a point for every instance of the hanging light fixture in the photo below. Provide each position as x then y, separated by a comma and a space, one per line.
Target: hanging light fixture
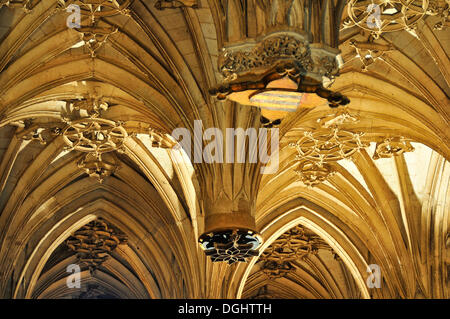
279, 74
230, 245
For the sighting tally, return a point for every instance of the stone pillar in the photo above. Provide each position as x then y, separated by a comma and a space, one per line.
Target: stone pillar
275, 57
229, 189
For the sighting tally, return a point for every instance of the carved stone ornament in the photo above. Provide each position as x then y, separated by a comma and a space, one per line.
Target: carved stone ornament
333, 141
159, 139
94, 37
293, 245
35, 135
313, 173
94, 32
280, 62
231, 245
83, 129
393, 146
245, 58
96, 9
172, 4
273, 269
328, 145
93, 106
342, 116
94, 242
100, 165
94, 135
330, 142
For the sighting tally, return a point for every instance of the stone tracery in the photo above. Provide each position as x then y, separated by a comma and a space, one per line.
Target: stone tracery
327, 144
392, 147
98, 9
94, 242
386, 16
84, 130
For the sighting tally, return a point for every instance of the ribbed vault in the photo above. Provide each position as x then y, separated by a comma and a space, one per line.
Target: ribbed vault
147, 72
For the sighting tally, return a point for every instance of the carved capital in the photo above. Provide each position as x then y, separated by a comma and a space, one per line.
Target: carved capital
289, 54
280, 66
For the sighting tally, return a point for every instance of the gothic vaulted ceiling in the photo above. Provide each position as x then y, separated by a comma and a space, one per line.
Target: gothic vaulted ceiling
88, 175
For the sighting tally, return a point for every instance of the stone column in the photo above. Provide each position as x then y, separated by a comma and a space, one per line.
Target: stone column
275, 57
229, 181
